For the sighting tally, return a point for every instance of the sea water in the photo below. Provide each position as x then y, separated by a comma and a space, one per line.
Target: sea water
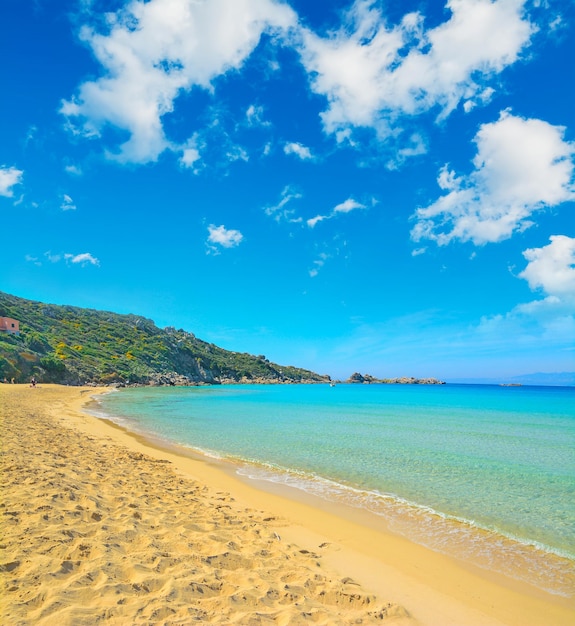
483, 473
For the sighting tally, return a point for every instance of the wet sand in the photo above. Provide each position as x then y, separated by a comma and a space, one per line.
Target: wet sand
98, 526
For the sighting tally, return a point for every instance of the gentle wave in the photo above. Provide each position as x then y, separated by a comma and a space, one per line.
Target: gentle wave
488, 548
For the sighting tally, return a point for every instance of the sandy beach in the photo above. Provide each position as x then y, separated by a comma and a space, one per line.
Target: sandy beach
101, 527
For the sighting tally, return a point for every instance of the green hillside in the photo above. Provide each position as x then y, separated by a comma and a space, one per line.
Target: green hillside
71, 345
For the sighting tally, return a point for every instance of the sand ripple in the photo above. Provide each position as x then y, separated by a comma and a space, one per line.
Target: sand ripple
95, 533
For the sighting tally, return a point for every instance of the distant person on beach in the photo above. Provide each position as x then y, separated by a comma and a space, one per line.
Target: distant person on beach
33, 382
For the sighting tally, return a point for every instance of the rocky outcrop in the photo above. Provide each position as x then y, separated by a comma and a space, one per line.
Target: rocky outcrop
415, 381
173, 379
261, 380
367, 379
361, 378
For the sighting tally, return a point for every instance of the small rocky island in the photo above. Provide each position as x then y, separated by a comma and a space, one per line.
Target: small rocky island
368, 379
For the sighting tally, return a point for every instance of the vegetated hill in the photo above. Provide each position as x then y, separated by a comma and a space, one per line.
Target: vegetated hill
71, 345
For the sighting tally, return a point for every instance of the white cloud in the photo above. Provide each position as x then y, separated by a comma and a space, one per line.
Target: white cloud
73, 169
190, 155
299, 150
552, 268
32, 259
345, 207
551, 319
414, 146
67, 203
521, 166
418, 251
318, 264
84, 258
314, 220
540, 332
9, 178
348, 205
53, 258
481, 98
154, 51
30, 135
255, 116
372, 73
236, 153
556, 23
211, 147
223, 237
280, 211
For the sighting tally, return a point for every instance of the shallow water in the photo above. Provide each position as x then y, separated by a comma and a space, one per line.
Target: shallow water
484, 473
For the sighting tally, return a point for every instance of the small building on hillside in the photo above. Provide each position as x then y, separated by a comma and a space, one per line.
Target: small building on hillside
9, 325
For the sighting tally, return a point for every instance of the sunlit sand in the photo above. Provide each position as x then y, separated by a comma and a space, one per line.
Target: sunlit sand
100, 527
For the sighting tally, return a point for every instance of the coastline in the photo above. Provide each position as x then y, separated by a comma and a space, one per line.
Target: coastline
434, 589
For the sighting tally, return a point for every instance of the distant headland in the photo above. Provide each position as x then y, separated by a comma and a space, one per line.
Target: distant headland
77, 346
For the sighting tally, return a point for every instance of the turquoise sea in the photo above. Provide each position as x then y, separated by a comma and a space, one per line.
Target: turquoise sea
483, 473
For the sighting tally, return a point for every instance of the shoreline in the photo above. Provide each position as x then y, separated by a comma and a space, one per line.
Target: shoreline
366, 518
433, 588
472, 545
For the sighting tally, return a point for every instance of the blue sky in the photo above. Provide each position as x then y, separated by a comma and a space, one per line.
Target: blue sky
385, 187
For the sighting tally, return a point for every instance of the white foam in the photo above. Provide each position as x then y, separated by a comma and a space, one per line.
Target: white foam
489, 548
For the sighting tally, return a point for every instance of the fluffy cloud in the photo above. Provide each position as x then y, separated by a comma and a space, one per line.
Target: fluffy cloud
299, 150
9, 178
191, 153
67, 203
549, 320
222, 237
315, 220
372, 73
521, 166
85, 258
74, 170
552, 268
152, 51
348, 205
345, 207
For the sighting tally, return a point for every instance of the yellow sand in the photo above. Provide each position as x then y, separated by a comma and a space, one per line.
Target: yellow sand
98, 526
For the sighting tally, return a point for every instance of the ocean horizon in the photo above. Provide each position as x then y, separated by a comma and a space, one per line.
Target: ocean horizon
483, 473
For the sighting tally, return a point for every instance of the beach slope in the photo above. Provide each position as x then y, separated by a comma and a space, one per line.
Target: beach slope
101, 527
94, 532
